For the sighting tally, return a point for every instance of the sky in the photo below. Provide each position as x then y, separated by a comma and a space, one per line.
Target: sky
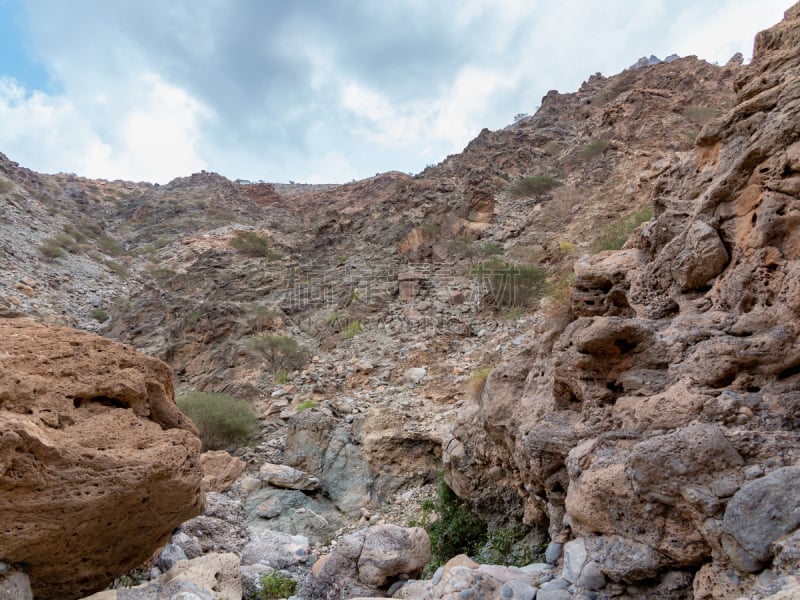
315, 91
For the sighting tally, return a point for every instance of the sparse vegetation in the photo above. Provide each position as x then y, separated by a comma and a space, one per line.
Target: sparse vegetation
250, 243
162, 273
616, 234
701, 114
282, 352
477, 380
592, 149
99, 315
5, 186
535, 185
51, 249
276, 585
282, 377
305, 405
508, 546
110, 246
352, 330
509, 284
223, 420
566, 247
452, 527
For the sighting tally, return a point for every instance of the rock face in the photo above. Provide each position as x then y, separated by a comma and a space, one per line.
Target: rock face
97, 465
369, 559
660, 426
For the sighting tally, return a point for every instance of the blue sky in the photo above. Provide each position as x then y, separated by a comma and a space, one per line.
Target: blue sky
314, 90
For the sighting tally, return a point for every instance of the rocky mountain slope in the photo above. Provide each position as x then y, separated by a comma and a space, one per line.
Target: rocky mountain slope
642, 404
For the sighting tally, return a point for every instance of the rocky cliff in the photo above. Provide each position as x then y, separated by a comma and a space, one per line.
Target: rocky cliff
97, 464
656, 428
642, 406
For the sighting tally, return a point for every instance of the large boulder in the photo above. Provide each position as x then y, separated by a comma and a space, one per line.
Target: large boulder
97, 464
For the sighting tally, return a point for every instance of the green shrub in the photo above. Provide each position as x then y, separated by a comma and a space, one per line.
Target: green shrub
701, 114
533, 186
592, 149
305, 405
510, 284
616, 234
99, 315
250, 243
276, 585
110, 246
50, 249
508, 546
162, 273
477, 380
5, 186
352, 330
223, 420
282, 352
455, 530
282, 377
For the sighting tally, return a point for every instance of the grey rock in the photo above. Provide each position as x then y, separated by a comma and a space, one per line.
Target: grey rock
553, 552
762, 511
283, 476
702, 257
574, 558
556, 584
15, 586
437, 576
623, 559
169, 556
553, 595
519, 590
275, 549
592, 577
270, 508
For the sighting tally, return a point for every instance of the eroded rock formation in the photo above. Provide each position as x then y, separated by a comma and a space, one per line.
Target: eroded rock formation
97, 464
660, 426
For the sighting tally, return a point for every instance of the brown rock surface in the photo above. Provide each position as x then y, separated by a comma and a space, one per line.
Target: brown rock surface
679, 378
97, 465
220, 470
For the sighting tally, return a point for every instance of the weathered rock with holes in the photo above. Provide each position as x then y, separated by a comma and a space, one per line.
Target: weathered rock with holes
93, 451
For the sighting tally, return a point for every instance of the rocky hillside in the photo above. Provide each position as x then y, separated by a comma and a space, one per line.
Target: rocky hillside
641, 400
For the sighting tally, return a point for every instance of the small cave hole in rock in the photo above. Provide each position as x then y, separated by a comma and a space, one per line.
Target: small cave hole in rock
102, 400
789, 372
625, 346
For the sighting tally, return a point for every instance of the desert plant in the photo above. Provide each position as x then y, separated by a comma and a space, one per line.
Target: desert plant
701, 114
99, 315
110, 246
566, 247
223, 420
250, 243
305, 405
534, 185
50, 249
509, 284
282, 377
508, 546
477, 380
454, 530
616, 234
352, 330
5, 186
282, 352
276, 585
594, 148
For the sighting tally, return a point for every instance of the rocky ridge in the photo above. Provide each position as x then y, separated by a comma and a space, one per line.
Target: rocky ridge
638, 416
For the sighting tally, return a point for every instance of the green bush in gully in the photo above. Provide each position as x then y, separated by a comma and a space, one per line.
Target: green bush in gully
277, 584
224, 421
282, 352
510, 284
252, 244
534, 185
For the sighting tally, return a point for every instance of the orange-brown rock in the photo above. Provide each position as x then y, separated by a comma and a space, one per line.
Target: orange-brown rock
220, 470
97, 464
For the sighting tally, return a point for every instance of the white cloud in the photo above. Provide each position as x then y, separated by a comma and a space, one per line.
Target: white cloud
279, 91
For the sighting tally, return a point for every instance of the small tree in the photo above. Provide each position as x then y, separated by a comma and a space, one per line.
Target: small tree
282, 352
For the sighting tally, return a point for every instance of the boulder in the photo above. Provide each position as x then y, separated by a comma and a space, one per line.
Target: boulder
390, 550
97, 464
220, 470
283, 476
762, 511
